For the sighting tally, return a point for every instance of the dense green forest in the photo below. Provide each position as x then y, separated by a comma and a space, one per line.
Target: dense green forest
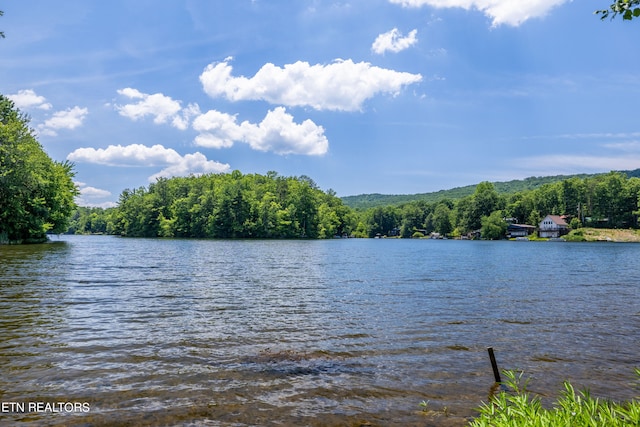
366, 201
36, 193
607, 200
222, 206
246, 206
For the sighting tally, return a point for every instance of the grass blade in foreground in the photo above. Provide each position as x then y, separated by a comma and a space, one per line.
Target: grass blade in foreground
518, 408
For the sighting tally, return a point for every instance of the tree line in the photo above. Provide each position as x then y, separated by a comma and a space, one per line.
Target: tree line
272, 206
607, 200
222, 206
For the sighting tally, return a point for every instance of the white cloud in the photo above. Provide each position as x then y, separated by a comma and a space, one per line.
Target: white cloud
628, 146
341, 85
27, 99
183, 120
144, 156
88, 203
129, 155
567, 164
70, 118
91, 196
277, 132
217, 130
394, 41
195, 163
162, 108
510, 12
93, 192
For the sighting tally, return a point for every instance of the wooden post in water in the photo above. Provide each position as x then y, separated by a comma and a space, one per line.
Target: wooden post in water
494, 365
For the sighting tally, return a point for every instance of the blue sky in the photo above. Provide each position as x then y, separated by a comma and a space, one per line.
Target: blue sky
363, 96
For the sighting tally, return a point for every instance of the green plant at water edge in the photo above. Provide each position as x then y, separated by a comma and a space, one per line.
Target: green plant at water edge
517, 407
576, 236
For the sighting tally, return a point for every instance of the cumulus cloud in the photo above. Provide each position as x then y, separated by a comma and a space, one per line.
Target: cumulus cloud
70, 118
141, 155
93, 192
195, 163
182, 120
277, 132
27, 99
92, 196
340, 86
217, 130
162, 108
394, 41
510, 12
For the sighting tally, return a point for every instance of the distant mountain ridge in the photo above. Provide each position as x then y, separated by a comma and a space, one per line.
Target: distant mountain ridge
366, 201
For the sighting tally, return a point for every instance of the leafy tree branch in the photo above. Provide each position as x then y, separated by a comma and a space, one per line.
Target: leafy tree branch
629, 9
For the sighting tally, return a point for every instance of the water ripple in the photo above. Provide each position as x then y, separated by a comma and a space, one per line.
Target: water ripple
344, 332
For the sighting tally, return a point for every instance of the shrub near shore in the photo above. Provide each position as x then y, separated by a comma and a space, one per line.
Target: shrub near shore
517, 407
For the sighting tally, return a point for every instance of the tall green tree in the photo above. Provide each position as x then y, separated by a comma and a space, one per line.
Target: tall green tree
485, 200
36, 193
442, 219
413, 217
493, 226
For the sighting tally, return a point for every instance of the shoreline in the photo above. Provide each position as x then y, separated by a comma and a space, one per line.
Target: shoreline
589, 234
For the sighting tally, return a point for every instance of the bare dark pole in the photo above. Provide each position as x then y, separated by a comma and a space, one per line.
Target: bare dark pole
494, 365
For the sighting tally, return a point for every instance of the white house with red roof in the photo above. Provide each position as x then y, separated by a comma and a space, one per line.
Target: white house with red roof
553, 226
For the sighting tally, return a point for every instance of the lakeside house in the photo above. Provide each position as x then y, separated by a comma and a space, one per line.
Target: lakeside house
520, 230
553, 226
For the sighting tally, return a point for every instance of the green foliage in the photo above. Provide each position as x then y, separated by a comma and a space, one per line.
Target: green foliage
382, 220
86, 220
485, 201
606, 200
367, 201
494, 226
441, 219
575, 236
518, 407
244, 206
629, 9
575, 223
36, 193
609, 200
232, 206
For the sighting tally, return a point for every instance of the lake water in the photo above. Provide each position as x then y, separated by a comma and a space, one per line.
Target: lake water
339, 332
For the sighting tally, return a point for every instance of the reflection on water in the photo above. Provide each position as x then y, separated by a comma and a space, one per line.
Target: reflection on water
342, 332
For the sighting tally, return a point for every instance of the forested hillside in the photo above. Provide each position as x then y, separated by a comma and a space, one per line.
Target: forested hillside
366, 201
608, 200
